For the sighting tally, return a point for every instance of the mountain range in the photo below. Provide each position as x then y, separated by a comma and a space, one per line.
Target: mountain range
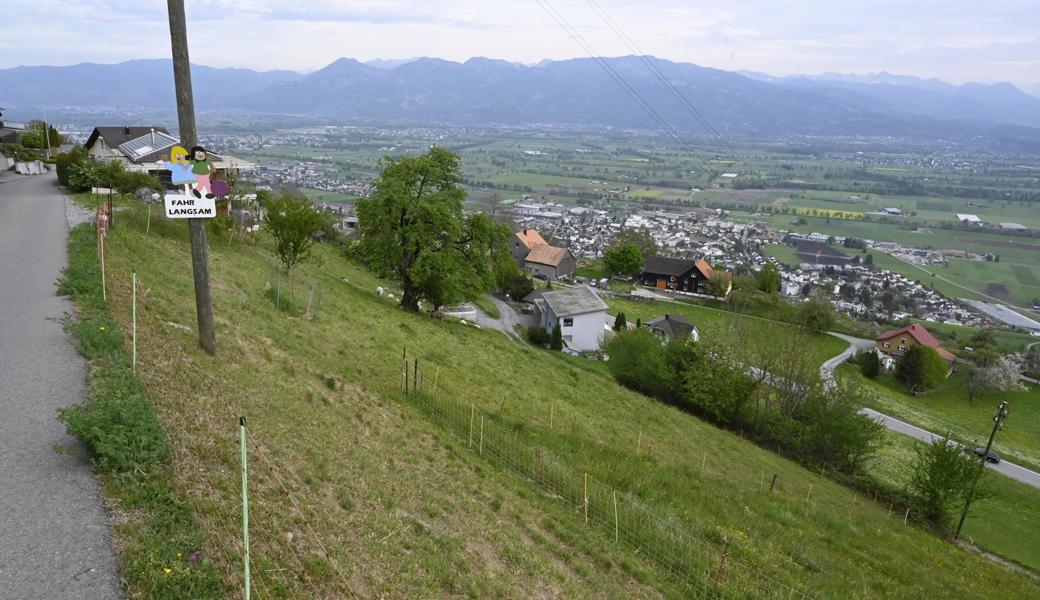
584, 91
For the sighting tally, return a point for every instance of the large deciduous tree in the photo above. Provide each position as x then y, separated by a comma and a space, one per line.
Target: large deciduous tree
413, 228
625, 259
1001, 375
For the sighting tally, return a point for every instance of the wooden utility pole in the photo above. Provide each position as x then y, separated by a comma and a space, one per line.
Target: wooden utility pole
998, 424
189, 138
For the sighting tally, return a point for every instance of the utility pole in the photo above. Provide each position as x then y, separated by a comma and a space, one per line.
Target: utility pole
189, 138
998, 423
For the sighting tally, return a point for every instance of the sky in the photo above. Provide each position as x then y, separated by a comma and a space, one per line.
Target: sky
954, 40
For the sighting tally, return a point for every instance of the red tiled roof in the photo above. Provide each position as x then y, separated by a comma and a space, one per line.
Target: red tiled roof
530, 238
704, 268
544, 254
918, 332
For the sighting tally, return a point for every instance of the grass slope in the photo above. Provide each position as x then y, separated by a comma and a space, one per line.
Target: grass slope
355, 490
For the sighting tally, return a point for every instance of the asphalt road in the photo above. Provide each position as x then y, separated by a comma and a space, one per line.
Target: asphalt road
55, 539
893, 424
508, 318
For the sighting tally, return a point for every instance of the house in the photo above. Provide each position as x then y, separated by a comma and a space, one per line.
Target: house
141, 148
894, 343
550, 262
544, 261
673, 326
581, 313
679, 274
969, 219
522, 243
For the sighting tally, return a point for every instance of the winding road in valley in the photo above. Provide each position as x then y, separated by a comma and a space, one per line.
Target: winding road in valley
893, 424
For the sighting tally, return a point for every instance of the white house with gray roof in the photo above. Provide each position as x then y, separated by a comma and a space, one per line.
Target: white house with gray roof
581, 313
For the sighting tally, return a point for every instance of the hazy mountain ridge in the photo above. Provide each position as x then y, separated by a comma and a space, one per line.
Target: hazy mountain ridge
575, 91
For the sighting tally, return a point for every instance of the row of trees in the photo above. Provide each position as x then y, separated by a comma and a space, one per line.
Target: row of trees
79, 172
754, 381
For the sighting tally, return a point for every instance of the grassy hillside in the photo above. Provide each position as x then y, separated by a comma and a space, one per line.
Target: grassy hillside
355, 491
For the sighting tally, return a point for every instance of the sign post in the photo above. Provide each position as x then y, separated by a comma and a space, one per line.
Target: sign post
189, 138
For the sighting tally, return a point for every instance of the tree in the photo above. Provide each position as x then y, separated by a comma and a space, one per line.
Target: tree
518, 287
413, 227
557, 338
38, 128
1001, 375
637, 361
717, 390
718, 284
941, 480
921, 368
869, 364
868, 260
768, 279
130, 182
816, 314
640, 237
625, 259
292, 221
619, 322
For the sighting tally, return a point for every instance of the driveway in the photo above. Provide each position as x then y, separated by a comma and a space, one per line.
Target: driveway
893, 424
508, 318
55, 539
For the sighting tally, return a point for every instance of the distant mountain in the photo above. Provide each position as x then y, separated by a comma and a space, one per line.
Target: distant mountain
985, 104
389, 63
483, 91
146, 82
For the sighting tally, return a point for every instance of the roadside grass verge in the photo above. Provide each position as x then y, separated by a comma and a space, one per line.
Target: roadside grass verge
354, 489
486, 305
128, 448
1007, 523
947, 410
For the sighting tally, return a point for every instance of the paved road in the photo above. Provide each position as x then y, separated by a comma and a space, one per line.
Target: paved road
55, 538
893, 424
1004, 467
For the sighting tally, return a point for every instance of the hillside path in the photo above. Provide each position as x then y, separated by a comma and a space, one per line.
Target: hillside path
893, 424
55, 539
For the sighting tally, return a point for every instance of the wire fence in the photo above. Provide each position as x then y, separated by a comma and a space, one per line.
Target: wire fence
704, 570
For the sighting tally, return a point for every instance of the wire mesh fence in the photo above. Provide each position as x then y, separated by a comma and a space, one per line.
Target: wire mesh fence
702, 568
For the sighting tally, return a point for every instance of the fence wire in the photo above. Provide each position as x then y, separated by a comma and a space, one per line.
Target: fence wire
701, 568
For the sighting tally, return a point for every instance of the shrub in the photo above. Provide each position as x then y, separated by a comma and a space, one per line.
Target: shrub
921, 368
538, 335
619, 322
869, 364
718, 391
941, 482
556, 343
637, 361
518, 287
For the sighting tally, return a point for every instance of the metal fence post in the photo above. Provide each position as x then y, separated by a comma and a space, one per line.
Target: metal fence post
245, 504
133, 319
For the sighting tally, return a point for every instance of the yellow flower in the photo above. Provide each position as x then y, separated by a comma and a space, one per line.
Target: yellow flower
178, 555
167, 570
102, 328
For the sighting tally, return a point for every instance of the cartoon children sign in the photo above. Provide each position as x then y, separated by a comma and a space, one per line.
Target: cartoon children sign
179, 168
195, 167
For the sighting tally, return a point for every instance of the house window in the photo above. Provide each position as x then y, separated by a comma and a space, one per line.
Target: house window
568, 321
888, 344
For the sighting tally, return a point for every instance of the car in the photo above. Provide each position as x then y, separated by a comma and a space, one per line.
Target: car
992, 457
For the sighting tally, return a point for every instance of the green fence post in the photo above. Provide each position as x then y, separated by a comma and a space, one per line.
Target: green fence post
245, 504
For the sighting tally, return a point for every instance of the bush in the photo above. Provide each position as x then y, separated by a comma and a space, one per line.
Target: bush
869, 364
556, 343
620, 324
638, 361
518, 287
921, 368
816, 314
718, 391
834, 433
538, 336
943, 475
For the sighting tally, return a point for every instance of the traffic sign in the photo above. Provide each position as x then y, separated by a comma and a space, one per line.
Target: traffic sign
183, 206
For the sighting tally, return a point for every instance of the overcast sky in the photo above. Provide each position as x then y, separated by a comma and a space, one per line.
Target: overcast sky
955, 40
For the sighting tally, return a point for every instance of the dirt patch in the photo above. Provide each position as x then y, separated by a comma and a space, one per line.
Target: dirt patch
818, 253
998, 290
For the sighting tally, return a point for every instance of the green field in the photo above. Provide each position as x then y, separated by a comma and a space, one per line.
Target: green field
948, 411
324, 196
380, 501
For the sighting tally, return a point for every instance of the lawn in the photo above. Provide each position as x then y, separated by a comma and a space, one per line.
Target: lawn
1008, 522
948, 411
354, 490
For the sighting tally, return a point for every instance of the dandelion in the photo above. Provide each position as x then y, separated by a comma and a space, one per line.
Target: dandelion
167, 570
102, 328
178, 555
